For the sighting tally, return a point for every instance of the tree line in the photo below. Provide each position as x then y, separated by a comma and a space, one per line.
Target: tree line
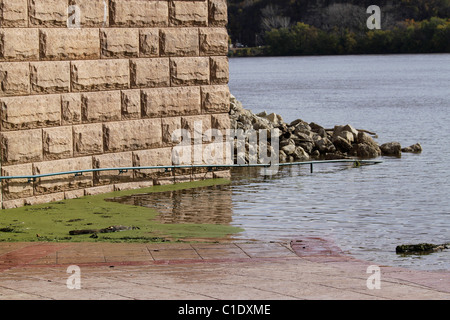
308, 27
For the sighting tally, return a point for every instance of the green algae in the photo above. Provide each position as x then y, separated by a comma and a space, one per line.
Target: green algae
53, 221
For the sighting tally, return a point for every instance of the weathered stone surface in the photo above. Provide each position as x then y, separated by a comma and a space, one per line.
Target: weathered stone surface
93, 13
19, 44
149, 72
74, 194
132, 135
17, 188
14, 13
116, 160
213, 41
87, 139
69, 43
46, 198
94, 75
29, 112
415, 148
57, 143
64, 182
218, 13
221, 122
188, 13
197, 126
179, 42
215, 99
153, 157
101, 106
138, 13
132, 185
189, 71
50, 76
21, 146
169, 102
131, 104
14, 78
98, 190
219, 70
148, 42
169, 127
70, 108
391, 149
48, 13
119, 42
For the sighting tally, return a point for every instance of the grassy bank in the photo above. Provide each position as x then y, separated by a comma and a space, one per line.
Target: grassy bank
54, 221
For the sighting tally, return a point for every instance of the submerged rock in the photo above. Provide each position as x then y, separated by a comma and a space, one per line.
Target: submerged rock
391, 149
421, 248
301, 141
415, 148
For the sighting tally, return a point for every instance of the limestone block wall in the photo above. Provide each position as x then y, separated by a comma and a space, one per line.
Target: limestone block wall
104, 83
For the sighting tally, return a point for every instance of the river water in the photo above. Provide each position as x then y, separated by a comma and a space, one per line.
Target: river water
366, 211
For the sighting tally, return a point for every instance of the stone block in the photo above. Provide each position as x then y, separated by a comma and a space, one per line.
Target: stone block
94, 13
14, 13
169, 102
46, 198
179, 42
221, 122
119, 42
94, 75
197, 126
188, 13
17, 188
101, 106
148, 42
132, 135
131, 104
74, 194
218, 13
188, 71
48, 13
150, 158
149, 72
219, 70
87, 139
70, 108
59, 183
11, 204
133, 185
138, 13
57, 143
115, 160
14, 78
50, 77
215, 99
69, 43
98, 190
28, 112
19, 44
169, 129
21, 146
213, 41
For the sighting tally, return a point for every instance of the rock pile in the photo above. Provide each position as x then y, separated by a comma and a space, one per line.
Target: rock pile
302, 141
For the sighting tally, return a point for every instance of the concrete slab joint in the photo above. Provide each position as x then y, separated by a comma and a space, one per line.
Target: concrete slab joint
95, 83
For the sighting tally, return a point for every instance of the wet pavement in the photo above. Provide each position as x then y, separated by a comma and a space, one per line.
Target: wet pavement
307, 268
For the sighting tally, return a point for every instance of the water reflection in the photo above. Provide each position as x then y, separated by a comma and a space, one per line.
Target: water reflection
209, 205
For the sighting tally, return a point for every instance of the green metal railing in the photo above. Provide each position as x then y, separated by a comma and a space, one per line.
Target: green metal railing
210, 167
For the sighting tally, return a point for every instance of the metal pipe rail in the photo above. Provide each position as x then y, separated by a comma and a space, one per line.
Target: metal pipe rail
211, 167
